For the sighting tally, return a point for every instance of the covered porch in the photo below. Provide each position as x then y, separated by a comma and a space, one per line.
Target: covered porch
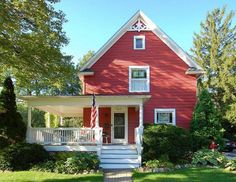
119, 121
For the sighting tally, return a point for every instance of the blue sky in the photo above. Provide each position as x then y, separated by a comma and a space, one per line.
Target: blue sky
92, 22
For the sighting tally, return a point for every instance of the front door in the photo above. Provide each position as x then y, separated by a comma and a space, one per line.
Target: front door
119, 125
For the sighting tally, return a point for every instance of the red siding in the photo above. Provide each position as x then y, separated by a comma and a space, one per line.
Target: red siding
133, 122
170, 86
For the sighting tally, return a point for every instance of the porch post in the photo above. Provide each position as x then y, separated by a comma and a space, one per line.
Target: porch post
61, 120
141, 115
49, 121
29, 116
28, 132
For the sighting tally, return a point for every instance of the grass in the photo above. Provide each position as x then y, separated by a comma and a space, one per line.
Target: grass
187, 175
32, 176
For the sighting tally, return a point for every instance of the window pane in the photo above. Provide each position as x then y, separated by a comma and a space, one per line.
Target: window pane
139, 43
139, 85
164, 117
139, 73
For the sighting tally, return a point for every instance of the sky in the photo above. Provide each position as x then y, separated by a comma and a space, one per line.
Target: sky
92, 22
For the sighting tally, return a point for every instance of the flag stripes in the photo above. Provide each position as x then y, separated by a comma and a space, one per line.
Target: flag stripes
94, 113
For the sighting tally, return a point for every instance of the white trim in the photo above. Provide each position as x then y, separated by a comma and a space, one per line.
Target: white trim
88, 73
148, 77
169, 110
155, 29
120, 109
143, 42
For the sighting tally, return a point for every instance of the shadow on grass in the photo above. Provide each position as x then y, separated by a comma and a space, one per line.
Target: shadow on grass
76, 179
187, 175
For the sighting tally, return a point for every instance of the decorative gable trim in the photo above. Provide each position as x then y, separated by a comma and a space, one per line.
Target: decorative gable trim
132, 25
139, 26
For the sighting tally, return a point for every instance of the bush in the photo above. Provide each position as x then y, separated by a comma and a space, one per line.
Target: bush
22, 156
231, 165
207, 157
206, 120
159, 140
69, 163
153, 164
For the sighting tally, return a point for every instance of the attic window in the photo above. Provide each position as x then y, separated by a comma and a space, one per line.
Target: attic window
139, 42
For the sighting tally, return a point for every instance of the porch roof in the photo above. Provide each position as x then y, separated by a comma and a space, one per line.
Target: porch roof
72, 106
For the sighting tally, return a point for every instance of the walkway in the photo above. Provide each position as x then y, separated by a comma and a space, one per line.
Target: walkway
117, 175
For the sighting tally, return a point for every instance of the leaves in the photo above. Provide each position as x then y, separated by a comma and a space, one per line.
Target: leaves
214, 49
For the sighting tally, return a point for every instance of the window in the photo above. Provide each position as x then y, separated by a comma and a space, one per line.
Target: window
165, 116
139, 42
139, 79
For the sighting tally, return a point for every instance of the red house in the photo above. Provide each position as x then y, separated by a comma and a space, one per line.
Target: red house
139, 76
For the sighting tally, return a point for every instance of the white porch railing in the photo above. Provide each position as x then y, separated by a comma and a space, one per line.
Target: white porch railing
55, 136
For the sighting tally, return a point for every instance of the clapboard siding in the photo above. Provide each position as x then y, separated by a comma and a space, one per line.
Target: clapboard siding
170, 86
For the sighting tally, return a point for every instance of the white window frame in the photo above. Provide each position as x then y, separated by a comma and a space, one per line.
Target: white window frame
167, 110
147, 68
143, 42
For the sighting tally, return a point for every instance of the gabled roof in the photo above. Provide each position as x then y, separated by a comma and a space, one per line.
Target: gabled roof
128, 26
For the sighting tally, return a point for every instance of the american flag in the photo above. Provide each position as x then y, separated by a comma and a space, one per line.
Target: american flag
93, 113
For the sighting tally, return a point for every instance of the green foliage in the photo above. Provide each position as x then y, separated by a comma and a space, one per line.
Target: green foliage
72, 122
231, 165
12, 127
85, 59
214, 49
207, 157
22, 156
37, 119
159, 140
206, 119
69, 163
54, 120
153, 164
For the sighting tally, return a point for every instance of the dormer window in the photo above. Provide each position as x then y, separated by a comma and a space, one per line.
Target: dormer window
139, 42
139, 79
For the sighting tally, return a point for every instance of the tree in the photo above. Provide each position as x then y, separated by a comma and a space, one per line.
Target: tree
12, 127
214, 49
85, 58
31, 35
206, 120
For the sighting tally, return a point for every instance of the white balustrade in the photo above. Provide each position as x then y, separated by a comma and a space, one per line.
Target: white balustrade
64, 135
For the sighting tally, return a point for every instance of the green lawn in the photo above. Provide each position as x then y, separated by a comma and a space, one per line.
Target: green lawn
31, 176
190, 175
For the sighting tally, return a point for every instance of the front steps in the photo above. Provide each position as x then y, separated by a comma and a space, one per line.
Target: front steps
119, 157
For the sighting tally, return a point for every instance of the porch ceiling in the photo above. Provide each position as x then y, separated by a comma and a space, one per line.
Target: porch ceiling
72, 106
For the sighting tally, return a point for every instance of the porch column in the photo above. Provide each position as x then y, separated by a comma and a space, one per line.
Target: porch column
61, 120
29, 116
141, 115
48, 121
28, 132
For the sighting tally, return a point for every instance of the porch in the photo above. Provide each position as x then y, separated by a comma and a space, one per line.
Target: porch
120, 121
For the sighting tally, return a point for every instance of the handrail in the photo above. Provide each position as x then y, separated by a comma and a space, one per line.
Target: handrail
62, 135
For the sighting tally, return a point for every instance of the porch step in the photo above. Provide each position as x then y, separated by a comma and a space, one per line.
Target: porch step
118, 147
119, 161
119, 157
119, 166
117, 151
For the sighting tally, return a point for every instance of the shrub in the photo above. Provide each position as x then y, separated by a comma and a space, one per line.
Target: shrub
231, 165
22, 156
206, 120
69, 163
207, 157
48, 166
153, 164
159, 140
